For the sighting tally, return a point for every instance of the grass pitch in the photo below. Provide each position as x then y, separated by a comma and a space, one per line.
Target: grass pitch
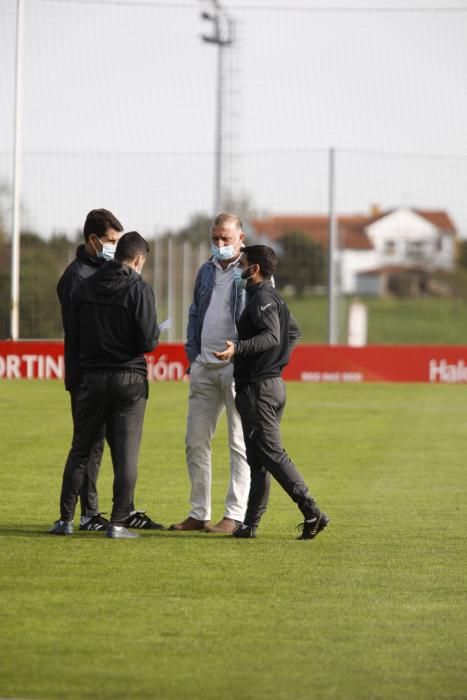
392, 320
373, 608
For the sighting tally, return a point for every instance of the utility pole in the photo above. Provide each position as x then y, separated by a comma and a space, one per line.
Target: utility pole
16, 222
222, 36
333, 263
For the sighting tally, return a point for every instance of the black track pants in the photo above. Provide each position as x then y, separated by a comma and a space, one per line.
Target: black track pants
260, 406
114, 401
88, 494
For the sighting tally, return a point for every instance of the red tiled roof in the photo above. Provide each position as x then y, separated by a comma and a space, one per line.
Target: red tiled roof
351, 229
388, 269
440, 219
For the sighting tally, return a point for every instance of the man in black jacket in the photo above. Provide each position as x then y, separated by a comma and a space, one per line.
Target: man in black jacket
102, 231
266, 334
113, 323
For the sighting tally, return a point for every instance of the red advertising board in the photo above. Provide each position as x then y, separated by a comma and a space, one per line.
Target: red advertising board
439, 364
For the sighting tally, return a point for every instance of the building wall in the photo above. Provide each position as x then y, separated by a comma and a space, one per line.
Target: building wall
369, 285
405, 238
352, 262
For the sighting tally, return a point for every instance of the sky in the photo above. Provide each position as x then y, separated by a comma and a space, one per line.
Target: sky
119, 105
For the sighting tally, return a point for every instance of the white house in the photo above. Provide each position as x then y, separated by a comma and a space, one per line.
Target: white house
402, 238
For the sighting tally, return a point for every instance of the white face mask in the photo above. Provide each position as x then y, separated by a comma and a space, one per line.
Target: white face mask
108, 251
227, 252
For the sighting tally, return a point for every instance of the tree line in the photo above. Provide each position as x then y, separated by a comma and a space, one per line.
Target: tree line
302, 266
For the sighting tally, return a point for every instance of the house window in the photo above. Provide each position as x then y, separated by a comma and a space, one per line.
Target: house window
389, 247
439, 244
416, 250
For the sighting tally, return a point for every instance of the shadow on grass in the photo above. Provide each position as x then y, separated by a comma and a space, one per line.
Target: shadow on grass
42, 531
25, 531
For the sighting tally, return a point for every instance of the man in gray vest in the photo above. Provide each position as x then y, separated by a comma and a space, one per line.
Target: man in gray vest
213, 315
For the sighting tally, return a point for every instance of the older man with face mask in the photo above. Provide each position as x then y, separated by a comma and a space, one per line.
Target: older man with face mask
217, 305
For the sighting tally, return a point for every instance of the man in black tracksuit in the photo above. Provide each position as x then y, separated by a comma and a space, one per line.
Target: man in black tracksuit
101, 233
113, 323
266, 334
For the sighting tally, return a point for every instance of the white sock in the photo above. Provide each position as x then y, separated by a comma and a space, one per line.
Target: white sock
117, 527
85, 519
62, 522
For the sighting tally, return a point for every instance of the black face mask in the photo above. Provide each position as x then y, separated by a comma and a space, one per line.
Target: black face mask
240, 276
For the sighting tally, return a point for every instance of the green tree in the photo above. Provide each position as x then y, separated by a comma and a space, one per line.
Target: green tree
41, 264
462, 254
197, 229
302, 262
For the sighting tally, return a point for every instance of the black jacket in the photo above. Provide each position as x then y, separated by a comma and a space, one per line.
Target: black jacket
82, 267
114, 320
266, 334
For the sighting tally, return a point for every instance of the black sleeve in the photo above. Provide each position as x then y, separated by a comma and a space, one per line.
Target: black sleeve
147, 329
264, 314
66, 291
294, 332
72, 331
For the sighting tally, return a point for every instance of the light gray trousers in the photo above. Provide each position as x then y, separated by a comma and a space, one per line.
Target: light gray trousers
212, 390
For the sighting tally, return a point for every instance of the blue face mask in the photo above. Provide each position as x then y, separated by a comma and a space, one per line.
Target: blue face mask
227, 252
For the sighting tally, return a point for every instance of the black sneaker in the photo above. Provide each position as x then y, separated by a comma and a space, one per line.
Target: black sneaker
244, 531
140, 521
313, 526
96, 524
61, 527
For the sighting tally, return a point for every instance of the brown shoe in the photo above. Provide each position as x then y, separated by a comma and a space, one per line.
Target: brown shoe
189, 524
226, 525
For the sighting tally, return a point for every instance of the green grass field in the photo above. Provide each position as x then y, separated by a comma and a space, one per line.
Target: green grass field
373, 608
396, 320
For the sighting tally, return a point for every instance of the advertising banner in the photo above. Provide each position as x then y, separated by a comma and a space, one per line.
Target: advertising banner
436, 364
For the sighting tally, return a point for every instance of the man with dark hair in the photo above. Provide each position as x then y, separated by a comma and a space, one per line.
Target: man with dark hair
113, 323
267, 333
102, 231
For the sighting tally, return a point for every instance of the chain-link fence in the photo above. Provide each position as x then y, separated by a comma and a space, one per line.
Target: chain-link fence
119, 111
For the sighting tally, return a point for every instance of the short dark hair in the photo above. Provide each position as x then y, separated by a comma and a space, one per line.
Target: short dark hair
98, 221
261, 255
129, 246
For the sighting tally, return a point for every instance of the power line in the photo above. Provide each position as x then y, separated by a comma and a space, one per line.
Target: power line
372, 10
240, 152
127, 3
268, 8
